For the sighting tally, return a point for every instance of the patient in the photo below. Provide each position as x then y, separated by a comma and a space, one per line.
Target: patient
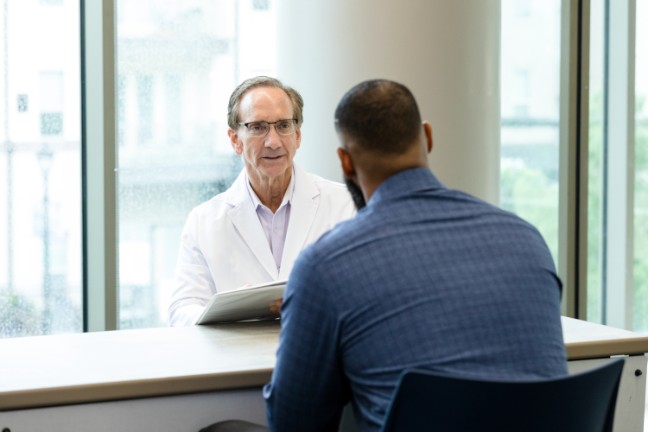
423, 277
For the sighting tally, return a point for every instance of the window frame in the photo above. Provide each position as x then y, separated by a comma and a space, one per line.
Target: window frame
573, 148
99, 168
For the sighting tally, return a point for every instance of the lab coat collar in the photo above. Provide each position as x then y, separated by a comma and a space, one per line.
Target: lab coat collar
242, 214
303, 208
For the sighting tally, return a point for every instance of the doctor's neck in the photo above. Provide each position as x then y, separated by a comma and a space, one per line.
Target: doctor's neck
270, 189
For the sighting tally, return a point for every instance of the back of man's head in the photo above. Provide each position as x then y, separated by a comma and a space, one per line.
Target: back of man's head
380, 116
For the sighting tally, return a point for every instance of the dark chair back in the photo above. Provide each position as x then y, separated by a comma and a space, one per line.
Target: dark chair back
583, 402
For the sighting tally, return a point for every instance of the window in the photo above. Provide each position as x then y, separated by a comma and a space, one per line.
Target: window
596, 241
40, 165
530, 96
617, 290
617, 194
177, 64
640, 262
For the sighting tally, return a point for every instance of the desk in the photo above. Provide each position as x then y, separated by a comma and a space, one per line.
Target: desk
163, 379
589, 344
181, 379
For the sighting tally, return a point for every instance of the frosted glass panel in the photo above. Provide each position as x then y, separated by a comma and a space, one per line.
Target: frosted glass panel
178, 61
40, 168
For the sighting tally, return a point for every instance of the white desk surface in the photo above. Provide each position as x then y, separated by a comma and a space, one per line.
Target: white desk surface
585, 340
90, 367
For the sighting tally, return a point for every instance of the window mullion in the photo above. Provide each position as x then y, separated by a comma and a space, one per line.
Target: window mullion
99, 163
572, 252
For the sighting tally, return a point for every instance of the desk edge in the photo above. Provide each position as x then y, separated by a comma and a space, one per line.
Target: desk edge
103, 392
596, 349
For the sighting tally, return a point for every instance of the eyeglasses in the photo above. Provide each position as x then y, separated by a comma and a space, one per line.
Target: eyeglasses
261, 128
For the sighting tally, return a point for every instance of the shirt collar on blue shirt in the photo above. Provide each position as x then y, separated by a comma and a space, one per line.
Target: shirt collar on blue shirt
403, 183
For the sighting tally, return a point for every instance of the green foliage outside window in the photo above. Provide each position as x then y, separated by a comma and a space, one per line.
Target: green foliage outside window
640, 300
18, 316
532, 194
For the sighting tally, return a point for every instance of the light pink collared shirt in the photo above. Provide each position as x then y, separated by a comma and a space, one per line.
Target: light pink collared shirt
275, 225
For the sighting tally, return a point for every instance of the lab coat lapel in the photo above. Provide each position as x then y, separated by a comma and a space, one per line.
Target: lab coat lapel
303, 209
243, 216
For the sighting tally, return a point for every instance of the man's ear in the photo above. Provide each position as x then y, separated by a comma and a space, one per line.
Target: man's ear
236, 143
348, 169
427, 128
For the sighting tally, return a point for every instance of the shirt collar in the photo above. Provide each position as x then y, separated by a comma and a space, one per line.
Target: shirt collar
405, 183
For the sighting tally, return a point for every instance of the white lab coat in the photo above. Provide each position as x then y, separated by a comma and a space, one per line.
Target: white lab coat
223, 246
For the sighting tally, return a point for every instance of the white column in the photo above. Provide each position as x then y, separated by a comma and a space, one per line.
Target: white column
446, 52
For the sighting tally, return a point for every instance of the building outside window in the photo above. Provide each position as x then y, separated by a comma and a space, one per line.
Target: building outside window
177, 64
40, 168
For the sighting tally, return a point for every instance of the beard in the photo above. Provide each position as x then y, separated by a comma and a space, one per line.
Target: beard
356, 193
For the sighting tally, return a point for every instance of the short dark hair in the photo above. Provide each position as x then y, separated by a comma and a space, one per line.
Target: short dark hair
262, 81
379, 115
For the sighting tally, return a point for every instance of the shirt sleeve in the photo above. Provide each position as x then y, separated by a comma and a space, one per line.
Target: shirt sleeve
308, 388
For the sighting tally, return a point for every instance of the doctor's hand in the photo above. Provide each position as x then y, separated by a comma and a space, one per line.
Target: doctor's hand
275, 306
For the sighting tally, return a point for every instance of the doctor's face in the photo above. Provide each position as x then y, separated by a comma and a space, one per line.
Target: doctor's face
267, 136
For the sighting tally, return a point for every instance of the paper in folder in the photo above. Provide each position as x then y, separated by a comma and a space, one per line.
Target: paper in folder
246, 303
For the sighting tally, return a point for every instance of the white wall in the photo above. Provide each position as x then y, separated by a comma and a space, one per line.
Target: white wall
446, 52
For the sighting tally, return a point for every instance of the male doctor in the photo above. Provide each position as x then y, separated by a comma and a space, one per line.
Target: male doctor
253, 232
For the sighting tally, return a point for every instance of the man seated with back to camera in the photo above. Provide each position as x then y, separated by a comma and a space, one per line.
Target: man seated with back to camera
423, 277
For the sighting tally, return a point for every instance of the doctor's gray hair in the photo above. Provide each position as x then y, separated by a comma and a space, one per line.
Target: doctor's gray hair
262, 81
